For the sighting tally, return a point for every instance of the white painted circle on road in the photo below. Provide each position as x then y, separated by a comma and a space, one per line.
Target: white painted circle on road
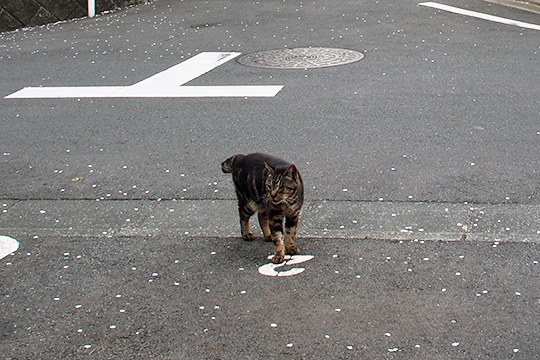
7, 246
270, 268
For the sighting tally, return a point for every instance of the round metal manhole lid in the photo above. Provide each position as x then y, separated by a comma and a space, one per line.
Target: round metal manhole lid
301, 58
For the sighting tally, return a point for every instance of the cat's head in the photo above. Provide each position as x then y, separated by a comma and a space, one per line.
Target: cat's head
282, 184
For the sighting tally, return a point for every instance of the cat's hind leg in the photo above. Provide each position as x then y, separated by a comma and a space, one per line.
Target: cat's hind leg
264, 222
290, 235
245, 212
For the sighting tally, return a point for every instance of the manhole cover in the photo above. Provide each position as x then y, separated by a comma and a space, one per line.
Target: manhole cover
301, 58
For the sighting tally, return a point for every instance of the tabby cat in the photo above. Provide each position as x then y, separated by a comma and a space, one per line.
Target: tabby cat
273, 188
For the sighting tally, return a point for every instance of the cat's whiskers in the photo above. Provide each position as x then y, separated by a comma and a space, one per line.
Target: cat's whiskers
288, 203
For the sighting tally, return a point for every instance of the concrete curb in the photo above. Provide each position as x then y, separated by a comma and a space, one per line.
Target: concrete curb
320, 219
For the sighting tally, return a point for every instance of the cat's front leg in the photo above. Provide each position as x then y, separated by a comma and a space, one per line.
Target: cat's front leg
264, 222
276, 229
291, 224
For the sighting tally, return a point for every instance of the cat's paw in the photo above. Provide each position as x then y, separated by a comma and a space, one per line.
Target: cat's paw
248, 237
268, 238
278, 258
292, 250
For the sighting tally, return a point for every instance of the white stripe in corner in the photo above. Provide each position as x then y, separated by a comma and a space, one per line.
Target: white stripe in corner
7, 246
480, 15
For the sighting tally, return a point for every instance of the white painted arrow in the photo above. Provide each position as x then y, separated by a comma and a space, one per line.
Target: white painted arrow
270, 268
7, 246
165, 84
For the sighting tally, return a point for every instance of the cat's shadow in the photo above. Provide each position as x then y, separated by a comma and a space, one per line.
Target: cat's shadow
255, 251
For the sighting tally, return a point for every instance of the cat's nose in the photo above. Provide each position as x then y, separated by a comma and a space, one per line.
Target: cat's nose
274, 196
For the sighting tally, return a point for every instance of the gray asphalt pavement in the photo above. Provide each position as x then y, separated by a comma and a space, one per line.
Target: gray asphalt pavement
422, 186
203, 298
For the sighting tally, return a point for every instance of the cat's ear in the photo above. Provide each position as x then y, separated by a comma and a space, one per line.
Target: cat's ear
269, 168
292, 171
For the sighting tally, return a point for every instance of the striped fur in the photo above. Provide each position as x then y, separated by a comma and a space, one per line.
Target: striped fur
273, 189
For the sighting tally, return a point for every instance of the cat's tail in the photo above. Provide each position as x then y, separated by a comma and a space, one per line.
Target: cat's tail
228, 165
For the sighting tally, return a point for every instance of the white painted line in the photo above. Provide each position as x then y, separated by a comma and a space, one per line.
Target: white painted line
7, 246
481, 15
65, 92
203, 91
187, 70
166, 84
146, 92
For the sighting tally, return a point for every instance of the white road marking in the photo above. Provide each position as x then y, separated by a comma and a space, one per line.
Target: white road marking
187, 70
481, 15
7, 246
166, 84
269, 269
148, 92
